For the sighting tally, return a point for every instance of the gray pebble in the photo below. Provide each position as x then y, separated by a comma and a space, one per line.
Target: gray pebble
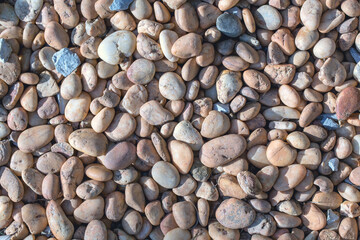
355, 54
268, 17
66, 61
5, 50
332, 219
250, 40
334, 164
236, 11
229, 24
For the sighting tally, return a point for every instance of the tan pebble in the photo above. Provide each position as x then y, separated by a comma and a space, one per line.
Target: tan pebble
290, 177
312, 217
234, 214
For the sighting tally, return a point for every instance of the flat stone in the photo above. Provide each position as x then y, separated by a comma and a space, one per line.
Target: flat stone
5, 50
119, 5
229, 24
66, 61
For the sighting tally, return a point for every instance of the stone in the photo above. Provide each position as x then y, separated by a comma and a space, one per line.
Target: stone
119, 5
355, 54
229, 24
66, 61
220, 107
5, 50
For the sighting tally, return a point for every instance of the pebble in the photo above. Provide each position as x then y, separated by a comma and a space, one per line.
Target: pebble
28, 10
355, 54
120, 156
268, 17
222, 150
235, 214
346, 102
229, 24
119, 43
5, 50
220, 107
120, 5
65, 61
165, 174
310, 14
89, 142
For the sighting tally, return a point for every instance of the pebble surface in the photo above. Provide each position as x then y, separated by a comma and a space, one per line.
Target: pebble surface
179, 120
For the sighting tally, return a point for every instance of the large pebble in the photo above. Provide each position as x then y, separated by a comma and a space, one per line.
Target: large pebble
185, 131
290, 177
268, 17
141, 71
187, 46
228, 84
172, 86
60, 225
88, 141
312, 217
155, 114
234, 214
121, 127
310, 14
347, 102
27, 10
116, 46
120, 156
229, 24
77, 108
222, 150
36, 137
165, 174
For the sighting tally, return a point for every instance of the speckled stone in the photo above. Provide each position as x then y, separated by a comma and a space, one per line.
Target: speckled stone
66, 61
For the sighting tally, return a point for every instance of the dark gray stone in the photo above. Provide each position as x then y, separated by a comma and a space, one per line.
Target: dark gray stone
229, 25
5, 50
66, 61
119, 5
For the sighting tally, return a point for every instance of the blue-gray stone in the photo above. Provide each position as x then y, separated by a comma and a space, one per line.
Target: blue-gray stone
229, 25
66, 61
5, 50
119, 5
355, 54
328, 115
236, 11
334, 164
332, 217
329, 124
250, 40
224, 108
